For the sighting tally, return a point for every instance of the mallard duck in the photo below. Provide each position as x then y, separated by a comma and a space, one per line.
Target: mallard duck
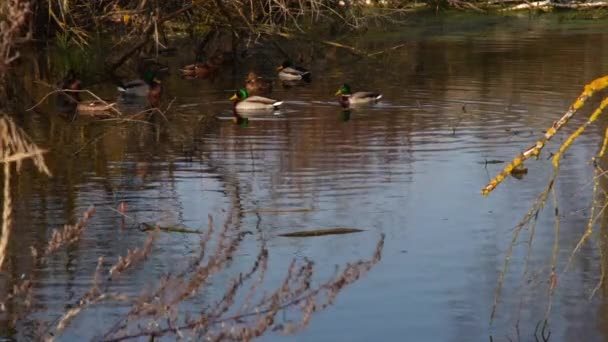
203, 70
69, 101
287, 71
256, 85
348, 98
71, 81
155, 92
95, 108
197, 70
244, 102
141, 87
217, 59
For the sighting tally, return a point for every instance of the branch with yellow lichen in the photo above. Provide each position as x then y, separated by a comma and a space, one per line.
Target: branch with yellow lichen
532, 214
534, 150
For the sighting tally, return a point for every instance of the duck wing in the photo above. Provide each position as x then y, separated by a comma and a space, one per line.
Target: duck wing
134, 84
190, 67
366, 96
302, 70
297, 71
263, 100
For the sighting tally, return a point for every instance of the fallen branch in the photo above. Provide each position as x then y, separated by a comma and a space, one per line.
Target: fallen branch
145, 36
351, 49
97, 98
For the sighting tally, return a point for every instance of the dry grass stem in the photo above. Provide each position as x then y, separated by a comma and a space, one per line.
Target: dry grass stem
15, 146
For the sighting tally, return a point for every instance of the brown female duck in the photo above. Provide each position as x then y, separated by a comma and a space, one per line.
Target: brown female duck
256, 85
203, 70
69, 99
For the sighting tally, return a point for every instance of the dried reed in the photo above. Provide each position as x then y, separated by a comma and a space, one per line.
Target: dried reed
15, 146
13, 17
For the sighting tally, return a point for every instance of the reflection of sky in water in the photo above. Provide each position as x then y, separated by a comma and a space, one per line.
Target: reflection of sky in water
410, 167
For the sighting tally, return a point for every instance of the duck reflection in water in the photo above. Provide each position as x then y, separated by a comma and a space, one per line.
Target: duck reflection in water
345, 115
239, 120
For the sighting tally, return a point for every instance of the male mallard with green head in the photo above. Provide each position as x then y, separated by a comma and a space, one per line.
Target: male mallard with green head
348, 98
256, 85
244, 102
289, 72
141, 87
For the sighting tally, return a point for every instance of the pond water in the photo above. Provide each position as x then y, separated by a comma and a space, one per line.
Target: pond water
462, 91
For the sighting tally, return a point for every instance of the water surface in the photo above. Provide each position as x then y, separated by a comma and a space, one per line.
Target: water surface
460, 93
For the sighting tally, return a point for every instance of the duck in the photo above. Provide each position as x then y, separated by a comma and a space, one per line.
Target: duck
289, 72
217, 59
69, 101
244, 102
155, 92
197, 70
140, 87
203, 70
256, 85
348, 98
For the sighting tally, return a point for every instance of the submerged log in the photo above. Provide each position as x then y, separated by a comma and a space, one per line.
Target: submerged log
320, 232
144, 227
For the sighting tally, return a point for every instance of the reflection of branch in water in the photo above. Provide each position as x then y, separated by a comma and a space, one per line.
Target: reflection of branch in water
295, 292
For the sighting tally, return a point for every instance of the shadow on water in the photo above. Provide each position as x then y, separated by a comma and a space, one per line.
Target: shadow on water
409, 166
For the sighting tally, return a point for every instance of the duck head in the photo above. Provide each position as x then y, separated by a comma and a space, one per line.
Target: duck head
71, 82
240, 95
344, 90
286, 64
251, 77
155, 91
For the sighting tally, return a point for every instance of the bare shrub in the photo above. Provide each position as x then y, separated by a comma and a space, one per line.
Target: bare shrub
13, 18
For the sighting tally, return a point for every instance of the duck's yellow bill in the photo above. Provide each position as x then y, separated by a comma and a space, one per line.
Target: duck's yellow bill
339, 92
234, 97
280, 67
156, 80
